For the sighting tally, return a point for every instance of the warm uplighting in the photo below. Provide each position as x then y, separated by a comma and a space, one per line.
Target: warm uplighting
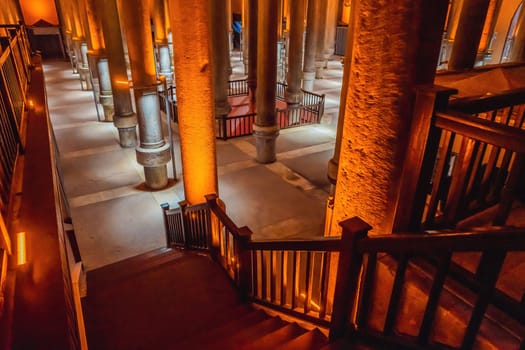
35, 10
21, 248
30, 104
122, 82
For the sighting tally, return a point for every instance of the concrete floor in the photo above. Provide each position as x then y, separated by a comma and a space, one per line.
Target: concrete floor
115, 217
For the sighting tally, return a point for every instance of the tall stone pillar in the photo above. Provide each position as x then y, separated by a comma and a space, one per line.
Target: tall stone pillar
161, 39
81, 47
320, 62
190, 20
293, 92
252, 48
245, 35
310, 47
220, 54
97, 50
265, 128
518, 48
468, 35
152, 152
379, 104
331, 24
124, 118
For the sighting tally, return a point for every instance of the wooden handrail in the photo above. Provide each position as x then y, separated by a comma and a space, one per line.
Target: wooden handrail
482, 130
484, 103
328, 244
211, 200
510, 240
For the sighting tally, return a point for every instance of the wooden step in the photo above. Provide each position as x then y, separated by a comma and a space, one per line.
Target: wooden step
277, 337
234, 324
246, 335
312, 340
133, 265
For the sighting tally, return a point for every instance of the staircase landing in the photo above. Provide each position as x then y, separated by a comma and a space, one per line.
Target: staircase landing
170, 299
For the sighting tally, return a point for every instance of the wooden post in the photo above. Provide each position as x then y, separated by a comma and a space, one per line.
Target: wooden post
244, 262
165, 207
211, 200
183, 205
420, 156
348, 272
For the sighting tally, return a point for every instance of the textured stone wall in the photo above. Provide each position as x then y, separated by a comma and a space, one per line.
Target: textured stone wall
377, 116
189, 22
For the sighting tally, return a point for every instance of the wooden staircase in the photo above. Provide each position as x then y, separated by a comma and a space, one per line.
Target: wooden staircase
175, 299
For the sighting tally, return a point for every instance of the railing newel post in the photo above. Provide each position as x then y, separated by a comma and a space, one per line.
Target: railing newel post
348, 271
244, 262
165, 207
183, 205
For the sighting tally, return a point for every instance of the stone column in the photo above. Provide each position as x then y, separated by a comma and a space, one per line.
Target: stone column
265, 128
312, 32
190, 20
252, 48
293, 92
468, 35
124, 118
331, 24
245, 35
97, 50
320, 62
220, 54
81, 27
379, 104
518, 47
152, 152
161, 40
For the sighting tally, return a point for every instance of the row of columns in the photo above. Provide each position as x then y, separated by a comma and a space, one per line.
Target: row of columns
376, 102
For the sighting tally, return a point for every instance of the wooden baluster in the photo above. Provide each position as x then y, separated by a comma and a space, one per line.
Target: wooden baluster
440, 178
420, 158
348, 270
284, 276
366, 290
323, 284
455, 198
487, 283
395, 296
255, 274
308, 281
273, 274
509, 191
433, 299
294, 280
264, 267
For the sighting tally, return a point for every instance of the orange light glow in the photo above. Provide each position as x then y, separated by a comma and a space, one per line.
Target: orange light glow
21, 248
35, 10
122, 82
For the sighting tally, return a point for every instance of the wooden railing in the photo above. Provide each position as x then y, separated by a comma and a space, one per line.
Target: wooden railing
463, 158
407, 324
238, 87
297, 277
15, 73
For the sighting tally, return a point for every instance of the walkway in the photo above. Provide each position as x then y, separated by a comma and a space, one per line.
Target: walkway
116, 218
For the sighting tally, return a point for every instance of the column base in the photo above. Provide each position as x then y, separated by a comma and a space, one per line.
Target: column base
154, 161
222, 108
126, 125
265, 137
319, 70
156, 177
107, 104
333, 167
127, 137
293, 97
